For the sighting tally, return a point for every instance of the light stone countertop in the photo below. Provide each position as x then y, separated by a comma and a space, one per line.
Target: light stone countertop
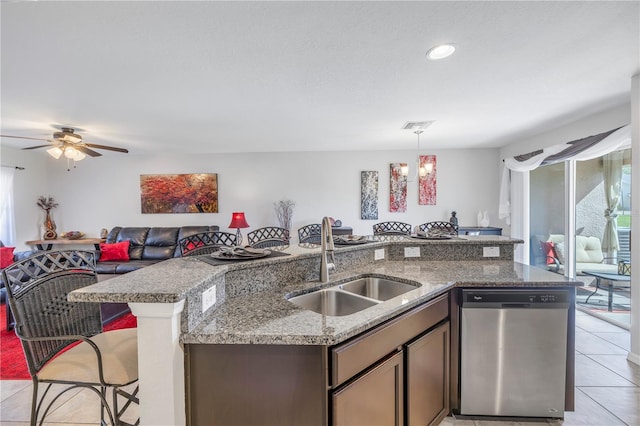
264, 316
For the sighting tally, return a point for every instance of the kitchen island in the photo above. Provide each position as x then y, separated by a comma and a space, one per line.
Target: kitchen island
249, 306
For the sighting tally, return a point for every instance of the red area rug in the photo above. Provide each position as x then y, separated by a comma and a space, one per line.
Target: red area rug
12, 363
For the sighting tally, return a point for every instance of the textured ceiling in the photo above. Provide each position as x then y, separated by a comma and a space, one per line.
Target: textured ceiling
206, 77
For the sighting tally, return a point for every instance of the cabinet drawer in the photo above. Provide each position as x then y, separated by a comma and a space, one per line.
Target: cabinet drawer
353, 356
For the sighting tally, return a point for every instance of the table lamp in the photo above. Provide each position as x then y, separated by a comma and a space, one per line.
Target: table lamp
238, 221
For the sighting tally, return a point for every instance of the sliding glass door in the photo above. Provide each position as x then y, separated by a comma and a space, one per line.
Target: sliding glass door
599, 223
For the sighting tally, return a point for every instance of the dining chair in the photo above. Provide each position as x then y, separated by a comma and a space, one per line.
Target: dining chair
63, 341
391, 228
269, 236
310, 233
206, 242
440, 227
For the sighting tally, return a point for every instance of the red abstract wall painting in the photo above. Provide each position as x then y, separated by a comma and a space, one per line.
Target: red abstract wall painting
184, 193
397, 189
427, 185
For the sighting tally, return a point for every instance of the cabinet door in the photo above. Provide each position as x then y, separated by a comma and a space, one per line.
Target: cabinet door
428, 377
375, 398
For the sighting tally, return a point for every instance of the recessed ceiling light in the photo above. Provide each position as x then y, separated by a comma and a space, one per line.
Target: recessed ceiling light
440, 51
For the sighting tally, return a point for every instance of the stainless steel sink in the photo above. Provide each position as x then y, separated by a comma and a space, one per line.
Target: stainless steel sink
332, 302
352, 296
377, 288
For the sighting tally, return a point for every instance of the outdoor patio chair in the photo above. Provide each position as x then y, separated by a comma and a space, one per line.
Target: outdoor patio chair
206, 242
63, 341
268, 237
392, 228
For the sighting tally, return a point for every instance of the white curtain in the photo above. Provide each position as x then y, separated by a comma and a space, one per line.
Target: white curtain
612, 174
7, 218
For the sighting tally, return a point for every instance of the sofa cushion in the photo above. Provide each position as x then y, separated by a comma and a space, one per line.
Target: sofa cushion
123, 267
6, 256
605, 268
136, 237
160, 243
588, 250
116, 251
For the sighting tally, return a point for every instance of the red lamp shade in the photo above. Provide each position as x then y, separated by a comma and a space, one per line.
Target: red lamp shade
238, 220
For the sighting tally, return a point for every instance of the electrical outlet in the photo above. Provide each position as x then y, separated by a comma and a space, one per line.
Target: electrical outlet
378, 254
491, 251
208, 298
412, 252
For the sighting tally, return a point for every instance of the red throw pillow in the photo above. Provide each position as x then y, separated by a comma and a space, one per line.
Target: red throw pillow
6, 256
115, 251
549, 250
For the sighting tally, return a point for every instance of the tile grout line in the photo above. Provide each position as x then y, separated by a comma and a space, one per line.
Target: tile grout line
603, 407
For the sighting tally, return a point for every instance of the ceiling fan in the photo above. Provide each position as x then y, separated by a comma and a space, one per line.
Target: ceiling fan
69, 143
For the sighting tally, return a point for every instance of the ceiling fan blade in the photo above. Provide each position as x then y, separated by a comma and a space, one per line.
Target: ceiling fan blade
37, 146
110, 148
87, 151
24, 137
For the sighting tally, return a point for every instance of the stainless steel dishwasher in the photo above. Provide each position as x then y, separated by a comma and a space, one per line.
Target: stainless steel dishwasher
513, 352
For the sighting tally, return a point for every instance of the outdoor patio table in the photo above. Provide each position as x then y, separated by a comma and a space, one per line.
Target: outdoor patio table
611, 278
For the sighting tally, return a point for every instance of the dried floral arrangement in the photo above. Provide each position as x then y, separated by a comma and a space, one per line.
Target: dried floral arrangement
284, 212
46, 203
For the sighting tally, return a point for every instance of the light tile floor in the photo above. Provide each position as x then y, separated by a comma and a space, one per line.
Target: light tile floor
607, 388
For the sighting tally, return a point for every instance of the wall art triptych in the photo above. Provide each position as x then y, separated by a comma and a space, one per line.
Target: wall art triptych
427, 184
397, 188
369, 195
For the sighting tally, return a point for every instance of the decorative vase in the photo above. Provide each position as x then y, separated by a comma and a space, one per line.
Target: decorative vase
484, 222
453, 219
50, 227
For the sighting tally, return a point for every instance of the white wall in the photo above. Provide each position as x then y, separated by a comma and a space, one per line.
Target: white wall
105, 192
28, 184
587, 126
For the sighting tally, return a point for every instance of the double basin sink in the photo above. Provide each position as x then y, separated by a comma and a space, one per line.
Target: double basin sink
352, 296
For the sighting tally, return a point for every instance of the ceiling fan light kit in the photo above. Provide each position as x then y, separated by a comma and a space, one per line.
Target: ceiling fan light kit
69, 143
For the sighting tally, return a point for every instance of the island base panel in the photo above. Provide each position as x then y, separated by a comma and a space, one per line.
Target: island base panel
256, 385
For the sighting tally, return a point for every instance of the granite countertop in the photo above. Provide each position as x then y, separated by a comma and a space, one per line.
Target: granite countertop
268, 318
262, 315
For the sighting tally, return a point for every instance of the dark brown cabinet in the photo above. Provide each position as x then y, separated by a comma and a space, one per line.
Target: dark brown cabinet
375, 398
427, 380
394, 374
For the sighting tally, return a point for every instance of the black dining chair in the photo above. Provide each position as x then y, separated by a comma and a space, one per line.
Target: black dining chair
391, 228
439, 227
63, 342
205, 242
310, 233
269, 237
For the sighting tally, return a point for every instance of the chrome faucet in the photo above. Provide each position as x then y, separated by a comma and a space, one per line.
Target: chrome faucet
327, 247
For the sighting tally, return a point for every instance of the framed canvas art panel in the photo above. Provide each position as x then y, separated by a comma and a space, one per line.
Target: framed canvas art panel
369, 195
427, 185
181, 193
397, 188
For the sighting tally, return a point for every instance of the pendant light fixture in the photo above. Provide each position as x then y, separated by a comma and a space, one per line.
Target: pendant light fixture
420, 170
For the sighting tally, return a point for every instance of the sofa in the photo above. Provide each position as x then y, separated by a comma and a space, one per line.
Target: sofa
144, 246
589, 255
